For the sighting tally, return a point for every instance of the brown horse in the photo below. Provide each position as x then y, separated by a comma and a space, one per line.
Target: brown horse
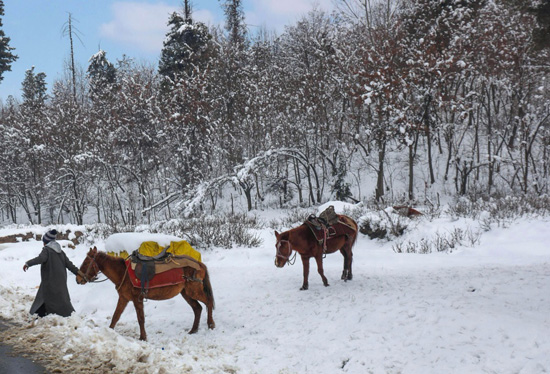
114, 268
302, 240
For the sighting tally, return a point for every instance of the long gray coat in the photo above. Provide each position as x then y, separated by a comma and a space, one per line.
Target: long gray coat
53, 292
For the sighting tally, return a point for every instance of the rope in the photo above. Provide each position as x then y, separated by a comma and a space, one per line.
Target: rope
123, 278
96, 281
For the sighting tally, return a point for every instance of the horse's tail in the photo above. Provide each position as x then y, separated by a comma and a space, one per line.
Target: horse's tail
350, 222
356, 234
207, 287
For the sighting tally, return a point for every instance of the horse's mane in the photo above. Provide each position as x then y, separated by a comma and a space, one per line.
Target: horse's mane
296, 232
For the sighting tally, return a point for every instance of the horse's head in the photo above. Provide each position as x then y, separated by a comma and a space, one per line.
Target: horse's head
284, 250
89, 268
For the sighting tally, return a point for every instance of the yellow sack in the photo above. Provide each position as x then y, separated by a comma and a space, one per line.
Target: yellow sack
183, 248
180, 248
150, 249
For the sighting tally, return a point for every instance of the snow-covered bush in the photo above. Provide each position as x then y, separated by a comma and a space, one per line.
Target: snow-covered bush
383, 224
208, 231
441, 242
500, 211
291, 218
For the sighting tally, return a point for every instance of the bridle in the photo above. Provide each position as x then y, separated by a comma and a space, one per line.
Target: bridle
289, 259
95, 267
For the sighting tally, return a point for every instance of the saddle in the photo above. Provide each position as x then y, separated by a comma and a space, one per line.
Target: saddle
323, 226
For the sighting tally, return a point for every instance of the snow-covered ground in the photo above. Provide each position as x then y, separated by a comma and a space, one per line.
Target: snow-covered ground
484, 309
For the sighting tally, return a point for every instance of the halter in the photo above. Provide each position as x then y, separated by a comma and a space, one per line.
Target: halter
289, 259
93, 264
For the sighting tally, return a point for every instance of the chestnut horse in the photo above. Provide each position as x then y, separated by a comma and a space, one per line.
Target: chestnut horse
302, 240
114, 268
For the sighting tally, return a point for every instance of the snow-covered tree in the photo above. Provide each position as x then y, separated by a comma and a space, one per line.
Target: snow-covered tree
101, 75
6, 52
187, 48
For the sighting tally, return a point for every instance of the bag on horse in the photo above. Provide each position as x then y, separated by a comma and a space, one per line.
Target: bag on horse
325, 226
150, 260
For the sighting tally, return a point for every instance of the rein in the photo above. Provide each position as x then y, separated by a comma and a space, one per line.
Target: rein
289, 259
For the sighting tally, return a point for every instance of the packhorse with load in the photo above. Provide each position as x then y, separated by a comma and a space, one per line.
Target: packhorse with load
151, 276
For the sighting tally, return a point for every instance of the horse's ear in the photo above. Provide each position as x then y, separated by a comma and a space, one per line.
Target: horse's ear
277, 235
95, 249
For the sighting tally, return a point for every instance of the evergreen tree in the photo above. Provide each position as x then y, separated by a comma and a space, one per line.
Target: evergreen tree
34, 90
187, 47
101, 75
32, 125
341, 188
234, 24
6, 55
541, 34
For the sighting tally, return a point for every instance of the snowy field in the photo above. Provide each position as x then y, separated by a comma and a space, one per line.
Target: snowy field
484, 309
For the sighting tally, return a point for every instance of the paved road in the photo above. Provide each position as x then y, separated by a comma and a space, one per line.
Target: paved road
11, 363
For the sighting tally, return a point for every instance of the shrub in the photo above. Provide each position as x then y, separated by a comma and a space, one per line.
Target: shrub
208, 231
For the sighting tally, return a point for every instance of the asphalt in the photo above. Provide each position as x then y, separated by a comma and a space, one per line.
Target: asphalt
14, 363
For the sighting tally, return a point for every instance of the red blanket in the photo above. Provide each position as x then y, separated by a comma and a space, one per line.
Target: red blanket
166, 278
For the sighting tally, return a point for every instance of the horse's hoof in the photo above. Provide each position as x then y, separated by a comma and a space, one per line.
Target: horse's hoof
350, 277
212, 326
326, 284
192, 331
304, 288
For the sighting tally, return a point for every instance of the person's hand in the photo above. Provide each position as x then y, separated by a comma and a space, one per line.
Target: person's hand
83, 276
25, 267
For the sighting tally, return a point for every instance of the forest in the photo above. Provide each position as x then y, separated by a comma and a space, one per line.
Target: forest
393, 101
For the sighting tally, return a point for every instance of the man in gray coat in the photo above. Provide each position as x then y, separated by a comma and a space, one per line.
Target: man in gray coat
52, 296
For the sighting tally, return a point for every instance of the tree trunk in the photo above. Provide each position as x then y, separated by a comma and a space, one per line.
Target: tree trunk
380, 174
426, 121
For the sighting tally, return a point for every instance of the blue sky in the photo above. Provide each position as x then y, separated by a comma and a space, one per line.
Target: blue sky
133, 28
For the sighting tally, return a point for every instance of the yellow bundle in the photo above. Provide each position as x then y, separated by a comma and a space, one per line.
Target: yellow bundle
181, 248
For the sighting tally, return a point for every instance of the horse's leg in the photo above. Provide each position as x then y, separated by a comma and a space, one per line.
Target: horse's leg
138, 305
208, 297
349, 244
305, 264
210, 320
350, 260
346, 267
120, 306
197, 309
319, 260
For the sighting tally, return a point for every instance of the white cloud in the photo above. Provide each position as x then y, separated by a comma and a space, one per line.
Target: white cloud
140, 25
205, 16
282, 7
275, 14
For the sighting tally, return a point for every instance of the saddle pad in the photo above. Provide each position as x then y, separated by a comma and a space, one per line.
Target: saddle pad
177, 262
166, 278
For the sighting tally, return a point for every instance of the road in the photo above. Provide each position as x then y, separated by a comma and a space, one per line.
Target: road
13, 363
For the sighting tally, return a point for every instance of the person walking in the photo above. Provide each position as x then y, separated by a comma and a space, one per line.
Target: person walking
52, 296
